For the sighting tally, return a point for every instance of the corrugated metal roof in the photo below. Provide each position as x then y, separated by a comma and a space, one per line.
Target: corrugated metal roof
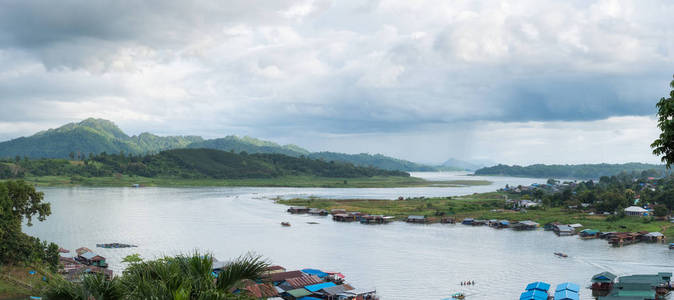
262, 290
317, 287
538, 285
337, 289
603, 277
285, 275
534, 295
416, 217
88, 255
301, 281
297, 293
316, 272
568, 286
566, 295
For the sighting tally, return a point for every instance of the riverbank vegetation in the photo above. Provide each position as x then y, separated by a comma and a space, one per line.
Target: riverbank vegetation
206, 167
584, 171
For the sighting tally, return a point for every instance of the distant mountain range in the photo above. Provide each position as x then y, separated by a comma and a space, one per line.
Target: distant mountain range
97, 136
466, 165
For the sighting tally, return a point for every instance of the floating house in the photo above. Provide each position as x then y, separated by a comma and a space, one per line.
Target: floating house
318, 212
417, 219
653, 237
479, 222
92, 259
587, 234
448, 220
567, 291
275, 269
343, 217
376, 219
525, 225
299, 282
337, 211
298, 210
334, 292
467, 221
624, 238
536, 291
296, 294
564, 230
602, 283
261, 290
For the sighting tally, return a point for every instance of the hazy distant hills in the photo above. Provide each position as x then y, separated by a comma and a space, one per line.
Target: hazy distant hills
466, 165
98, 135
584, 171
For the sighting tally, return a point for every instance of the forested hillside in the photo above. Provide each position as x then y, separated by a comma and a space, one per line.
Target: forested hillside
189, 164
584, 171
95, 136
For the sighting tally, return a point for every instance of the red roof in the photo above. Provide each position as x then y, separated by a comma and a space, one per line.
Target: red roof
284, 275
303, 281
262, 290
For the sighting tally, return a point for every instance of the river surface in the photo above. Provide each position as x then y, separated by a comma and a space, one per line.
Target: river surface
399, 260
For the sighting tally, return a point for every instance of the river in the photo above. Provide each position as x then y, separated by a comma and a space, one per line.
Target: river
402, 261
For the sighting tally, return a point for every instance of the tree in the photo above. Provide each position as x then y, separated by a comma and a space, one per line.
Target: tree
660, 210
19, 201
664, 144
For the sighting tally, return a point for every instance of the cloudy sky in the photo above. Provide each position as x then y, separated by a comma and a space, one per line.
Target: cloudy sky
513, 81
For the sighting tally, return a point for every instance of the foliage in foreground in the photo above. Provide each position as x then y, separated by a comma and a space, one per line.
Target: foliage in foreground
171, 278
18, 202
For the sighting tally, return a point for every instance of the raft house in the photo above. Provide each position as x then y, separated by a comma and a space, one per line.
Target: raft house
563, 230
376, 219
646, 287
536, 291
298, 210
587, 234
525, 225
417, 219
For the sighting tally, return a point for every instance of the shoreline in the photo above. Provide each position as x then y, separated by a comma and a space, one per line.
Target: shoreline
285, 181
483, 206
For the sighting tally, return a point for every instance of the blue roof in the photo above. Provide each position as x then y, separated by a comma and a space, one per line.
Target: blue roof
534, 295
538, 285
316, 287
505, 222
566, 295
316, 272
309, 298
568, 286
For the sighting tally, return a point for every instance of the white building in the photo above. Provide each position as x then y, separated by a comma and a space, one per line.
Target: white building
635, 211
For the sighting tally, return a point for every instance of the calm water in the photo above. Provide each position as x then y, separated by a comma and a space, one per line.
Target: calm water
402, 261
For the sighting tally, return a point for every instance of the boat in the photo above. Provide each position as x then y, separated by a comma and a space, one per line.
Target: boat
671, 245
458, 296
560, 254
285, 223
115, 245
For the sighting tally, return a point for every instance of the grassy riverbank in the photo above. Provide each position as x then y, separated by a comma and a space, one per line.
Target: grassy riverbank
17, 283
284, 181
484, 206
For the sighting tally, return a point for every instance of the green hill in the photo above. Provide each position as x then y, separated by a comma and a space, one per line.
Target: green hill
96, 136
583, 171
89, 136
190, 164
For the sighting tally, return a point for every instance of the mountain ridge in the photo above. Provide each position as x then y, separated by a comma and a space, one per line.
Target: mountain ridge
95, 136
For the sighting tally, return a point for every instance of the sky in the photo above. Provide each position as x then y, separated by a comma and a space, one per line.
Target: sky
517, 82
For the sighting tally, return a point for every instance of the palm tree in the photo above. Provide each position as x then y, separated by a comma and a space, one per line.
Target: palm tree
169, 278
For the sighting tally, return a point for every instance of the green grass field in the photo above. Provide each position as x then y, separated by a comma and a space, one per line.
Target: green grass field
484, 206
287, 181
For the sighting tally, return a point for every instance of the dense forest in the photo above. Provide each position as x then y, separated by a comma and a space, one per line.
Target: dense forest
584, 171
95, 136
188, 163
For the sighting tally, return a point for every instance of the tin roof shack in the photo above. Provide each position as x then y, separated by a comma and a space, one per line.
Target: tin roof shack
298, 210
68, 264
343, 217
376, 219
260, 290
334, 292
503, 224
659, 283
567, 291
275, 269
536, 291
92, 259
278, 278
564, 230
298, 282
587, 234
620, 239
636, 211
448, 220
296, 294
337, 211
417, 219
318, 212
479, 222
653, 237
602, 283
525, 225
359, 294
467, 221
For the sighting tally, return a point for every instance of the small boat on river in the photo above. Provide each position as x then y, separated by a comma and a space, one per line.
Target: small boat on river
287, 224
458, 296
560, 254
